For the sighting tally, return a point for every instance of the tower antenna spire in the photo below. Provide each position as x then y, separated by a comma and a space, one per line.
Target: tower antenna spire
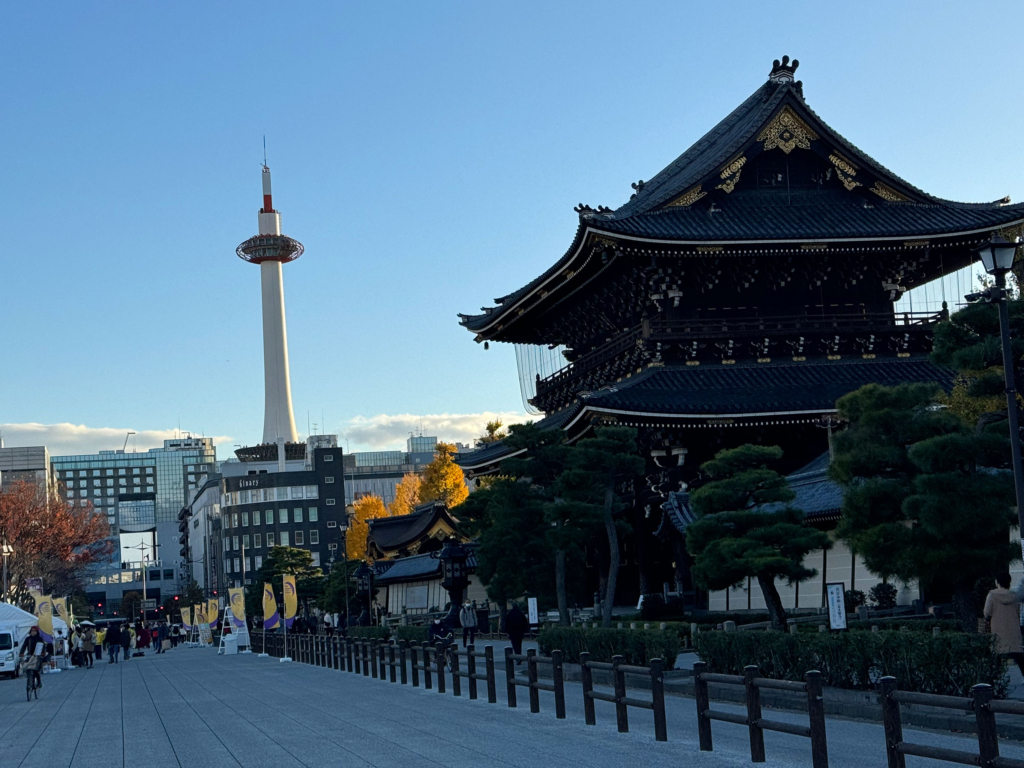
264, 151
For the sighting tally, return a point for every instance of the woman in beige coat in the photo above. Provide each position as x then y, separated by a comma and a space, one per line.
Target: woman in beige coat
1002, 609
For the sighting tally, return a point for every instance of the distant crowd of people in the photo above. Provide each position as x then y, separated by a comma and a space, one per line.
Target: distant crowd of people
86, 643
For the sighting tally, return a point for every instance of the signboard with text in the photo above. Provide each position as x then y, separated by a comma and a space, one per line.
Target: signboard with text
531, 607
836, 605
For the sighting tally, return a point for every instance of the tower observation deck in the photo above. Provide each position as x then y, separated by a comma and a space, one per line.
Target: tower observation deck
270, 249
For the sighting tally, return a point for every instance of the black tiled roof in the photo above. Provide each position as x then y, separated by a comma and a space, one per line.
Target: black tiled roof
496, 451
416, 568
758, 388
395, 532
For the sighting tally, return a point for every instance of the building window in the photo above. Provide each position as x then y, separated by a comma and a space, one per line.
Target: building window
149, 470
330, 502
245, 541
311, 492
282, 494
313, 515
328, 479
297, 515
256, 517
234, 520
237, 566
122, 482
71, 493
168, 574
269, 515
248, 565
297, 492
270, 539
109, 472
282, 515
314, 537
298, 538
332, 524
284, 539
259, 562
328, 457
234, 542
135, 470
258, 540
227, 544
315, 558
110, 482
83, 483
245, 519
154, 576
120, 472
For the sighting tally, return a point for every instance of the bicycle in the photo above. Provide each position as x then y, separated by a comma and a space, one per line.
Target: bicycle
33, 682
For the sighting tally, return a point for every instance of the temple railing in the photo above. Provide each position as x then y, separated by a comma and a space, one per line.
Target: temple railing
682, 331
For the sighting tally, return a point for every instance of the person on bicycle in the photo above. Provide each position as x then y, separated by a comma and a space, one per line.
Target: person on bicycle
29, 648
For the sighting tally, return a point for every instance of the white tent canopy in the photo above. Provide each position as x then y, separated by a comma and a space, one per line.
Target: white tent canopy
12, 614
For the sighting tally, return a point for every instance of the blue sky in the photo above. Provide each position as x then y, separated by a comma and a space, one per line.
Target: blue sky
428, 155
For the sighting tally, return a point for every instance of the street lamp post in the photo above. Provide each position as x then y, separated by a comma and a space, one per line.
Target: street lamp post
997, 257
364, 580
454, 578
7, 551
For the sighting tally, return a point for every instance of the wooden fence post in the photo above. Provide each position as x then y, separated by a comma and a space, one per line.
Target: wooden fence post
383, 657
891, 722
413, 662
621, 710
439, 665
531, 675
658, 700
510, 678
426, 666
391, 663
350, 654
700, 693
754, 714
492, 692
456, 680
587, 678
471, 669
988, 738
373, 658
816, 712
558, 681
403, 675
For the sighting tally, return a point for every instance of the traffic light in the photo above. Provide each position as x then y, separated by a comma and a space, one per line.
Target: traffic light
175, 598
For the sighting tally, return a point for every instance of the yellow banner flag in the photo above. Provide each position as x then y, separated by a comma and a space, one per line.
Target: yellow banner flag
271, 619
291, 599
212, 609
186, 618
237, 598
199, 613
60, 609
44, 612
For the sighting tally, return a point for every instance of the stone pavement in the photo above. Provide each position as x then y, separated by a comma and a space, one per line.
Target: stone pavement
193, 708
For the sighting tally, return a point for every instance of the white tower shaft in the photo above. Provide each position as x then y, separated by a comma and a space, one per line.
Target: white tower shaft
278, 419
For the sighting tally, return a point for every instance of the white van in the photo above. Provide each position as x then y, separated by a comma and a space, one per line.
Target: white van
10, 642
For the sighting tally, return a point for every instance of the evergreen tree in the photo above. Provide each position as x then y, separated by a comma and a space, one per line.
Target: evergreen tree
927, 496
281, 561
746, 527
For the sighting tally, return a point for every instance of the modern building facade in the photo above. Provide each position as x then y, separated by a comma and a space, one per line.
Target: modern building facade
28, 464
270, 249
378, 472
302, 506
199, 528
141, 495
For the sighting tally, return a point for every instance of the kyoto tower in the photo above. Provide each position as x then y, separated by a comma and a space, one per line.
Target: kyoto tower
270, 249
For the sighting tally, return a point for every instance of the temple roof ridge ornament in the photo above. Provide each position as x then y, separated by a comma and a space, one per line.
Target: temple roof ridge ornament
783, 72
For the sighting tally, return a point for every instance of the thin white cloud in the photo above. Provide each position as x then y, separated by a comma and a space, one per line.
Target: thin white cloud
388, 432
71, 439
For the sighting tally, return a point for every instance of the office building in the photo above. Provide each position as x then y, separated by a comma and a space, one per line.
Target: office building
29, 464
378, 472
141, 495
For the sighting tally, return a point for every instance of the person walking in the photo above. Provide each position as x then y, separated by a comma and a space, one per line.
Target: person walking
161, 636
88, 647
127, 641
113, 641
101, 635
1002, 609
467, 618
516, 625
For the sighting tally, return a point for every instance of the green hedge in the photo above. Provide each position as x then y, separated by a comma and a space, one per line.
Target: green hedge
949, 664
637, 646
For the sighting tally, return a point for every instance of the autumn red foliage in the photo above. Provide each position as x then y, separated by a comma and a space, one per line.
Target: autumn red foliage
52, 539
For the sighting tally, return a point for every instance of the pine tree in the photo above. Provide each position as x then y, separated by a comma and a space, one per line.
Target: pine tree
746, 528
927, 496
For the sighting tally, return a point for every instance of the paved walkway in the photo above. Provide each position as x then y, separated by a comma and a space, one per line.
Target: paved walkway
193, 708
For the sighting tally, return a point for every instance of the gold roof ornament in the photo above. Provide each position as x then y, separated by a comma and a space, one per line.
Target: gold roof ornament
845, 171
731, 175
886, 192
787, 132
688, 198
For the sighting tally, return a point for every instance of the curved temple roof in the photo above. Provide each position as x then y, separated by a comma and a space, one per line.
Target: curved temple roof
702, 196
